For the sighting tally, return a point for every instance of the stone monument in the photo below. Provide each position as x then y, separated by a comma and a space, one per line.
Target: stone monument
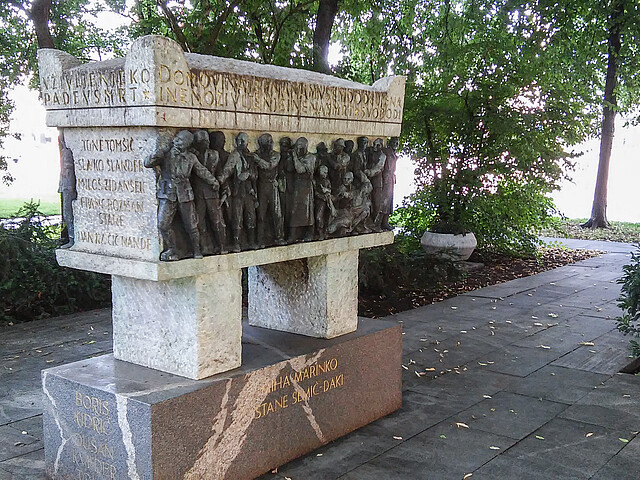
178, 159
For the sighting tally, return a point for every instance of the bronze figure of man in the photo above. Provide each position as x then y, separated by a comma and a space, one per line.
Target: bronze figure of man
67, 188
267, 161
241, 170
207, 196
175, 193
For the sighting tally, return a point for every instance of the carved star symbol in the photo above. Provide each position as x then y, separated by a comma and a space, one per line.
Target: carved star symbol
146, 93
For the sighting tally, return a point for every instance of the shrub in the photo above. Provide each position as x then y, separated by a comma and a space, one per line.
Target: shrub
387, 271
505, 219
32, 285
629, 301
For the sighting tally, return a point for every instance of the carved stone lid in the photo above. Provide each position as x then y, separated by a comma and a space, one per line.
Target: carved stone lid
157, 84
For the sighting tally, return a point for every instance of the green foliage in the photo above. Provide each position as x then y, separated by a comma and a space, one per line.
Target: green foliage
32, 285
413, 218
509, 219
271, 32
629, 301
73, 28
489, 114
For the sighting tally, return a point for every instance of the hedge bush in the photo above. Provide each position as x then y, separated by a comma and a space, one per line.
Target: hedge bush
629, 301
32, 284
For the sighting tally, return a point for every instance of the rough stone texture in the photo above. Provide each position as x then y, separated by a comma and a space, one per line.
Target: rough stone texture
453, 247
158, 271
316, 296
189, 327
115, 213
158, 85
117, 420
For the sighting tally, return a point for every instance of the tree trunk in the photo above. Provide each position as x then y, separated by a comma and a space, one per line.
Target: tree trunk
599, 209
172, 21
327, 11
40, 17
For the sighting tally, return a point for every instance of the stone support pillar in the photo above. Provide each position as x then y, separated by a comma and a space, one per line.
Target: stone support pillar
315, 296
187, 326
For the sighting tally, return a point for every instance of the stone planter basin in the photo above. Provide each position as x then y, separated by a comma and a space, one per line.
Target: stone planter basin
449, 246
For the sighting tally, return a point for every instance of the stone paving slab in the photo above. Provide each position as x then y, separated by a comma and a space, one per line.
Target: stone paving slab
558, 450
443, 451
608, 355
510, 414
24, 467
614, 404
558, 384
521, 361
624, 466
494, 359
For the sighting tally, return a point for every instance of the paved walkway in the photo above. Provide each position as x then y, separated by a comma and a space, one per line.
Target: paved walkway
516, 380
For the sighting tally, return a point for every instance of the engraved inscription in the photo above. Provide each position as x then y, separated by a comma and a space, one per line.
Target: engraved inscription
91, 454
114, 195
245, 93
298, 387
103, 88
217, 91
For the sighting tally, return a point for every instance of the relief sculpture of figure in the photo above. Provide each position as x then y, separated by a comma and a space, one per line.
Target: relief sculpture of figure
339, 162
324, 208
67, 188
216, 142
322, 155
207, 196
388, 181
302, 211
359, 157
348, 147
361, 206
354, 206
176, 194
375, 165
241, 170
341, 221
267, 161
286, 178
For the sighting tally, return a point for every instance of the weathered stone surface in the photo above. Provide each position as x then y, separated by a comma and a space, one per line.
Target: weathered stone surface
316, 296
159, 271
108, 418
115, 211
190, 326
157, 84
449, 246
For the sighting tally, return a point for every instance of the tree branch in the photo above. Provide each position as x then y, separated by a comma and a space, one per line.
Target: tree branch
212, 39
172, 21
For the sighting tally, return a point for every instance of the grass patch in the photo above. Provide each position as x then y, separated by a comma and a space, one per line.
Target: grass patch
9, 207
618, 232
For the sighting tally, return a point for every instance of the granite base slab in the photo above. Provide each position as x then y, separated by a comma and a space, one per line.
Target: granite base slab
104, 418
